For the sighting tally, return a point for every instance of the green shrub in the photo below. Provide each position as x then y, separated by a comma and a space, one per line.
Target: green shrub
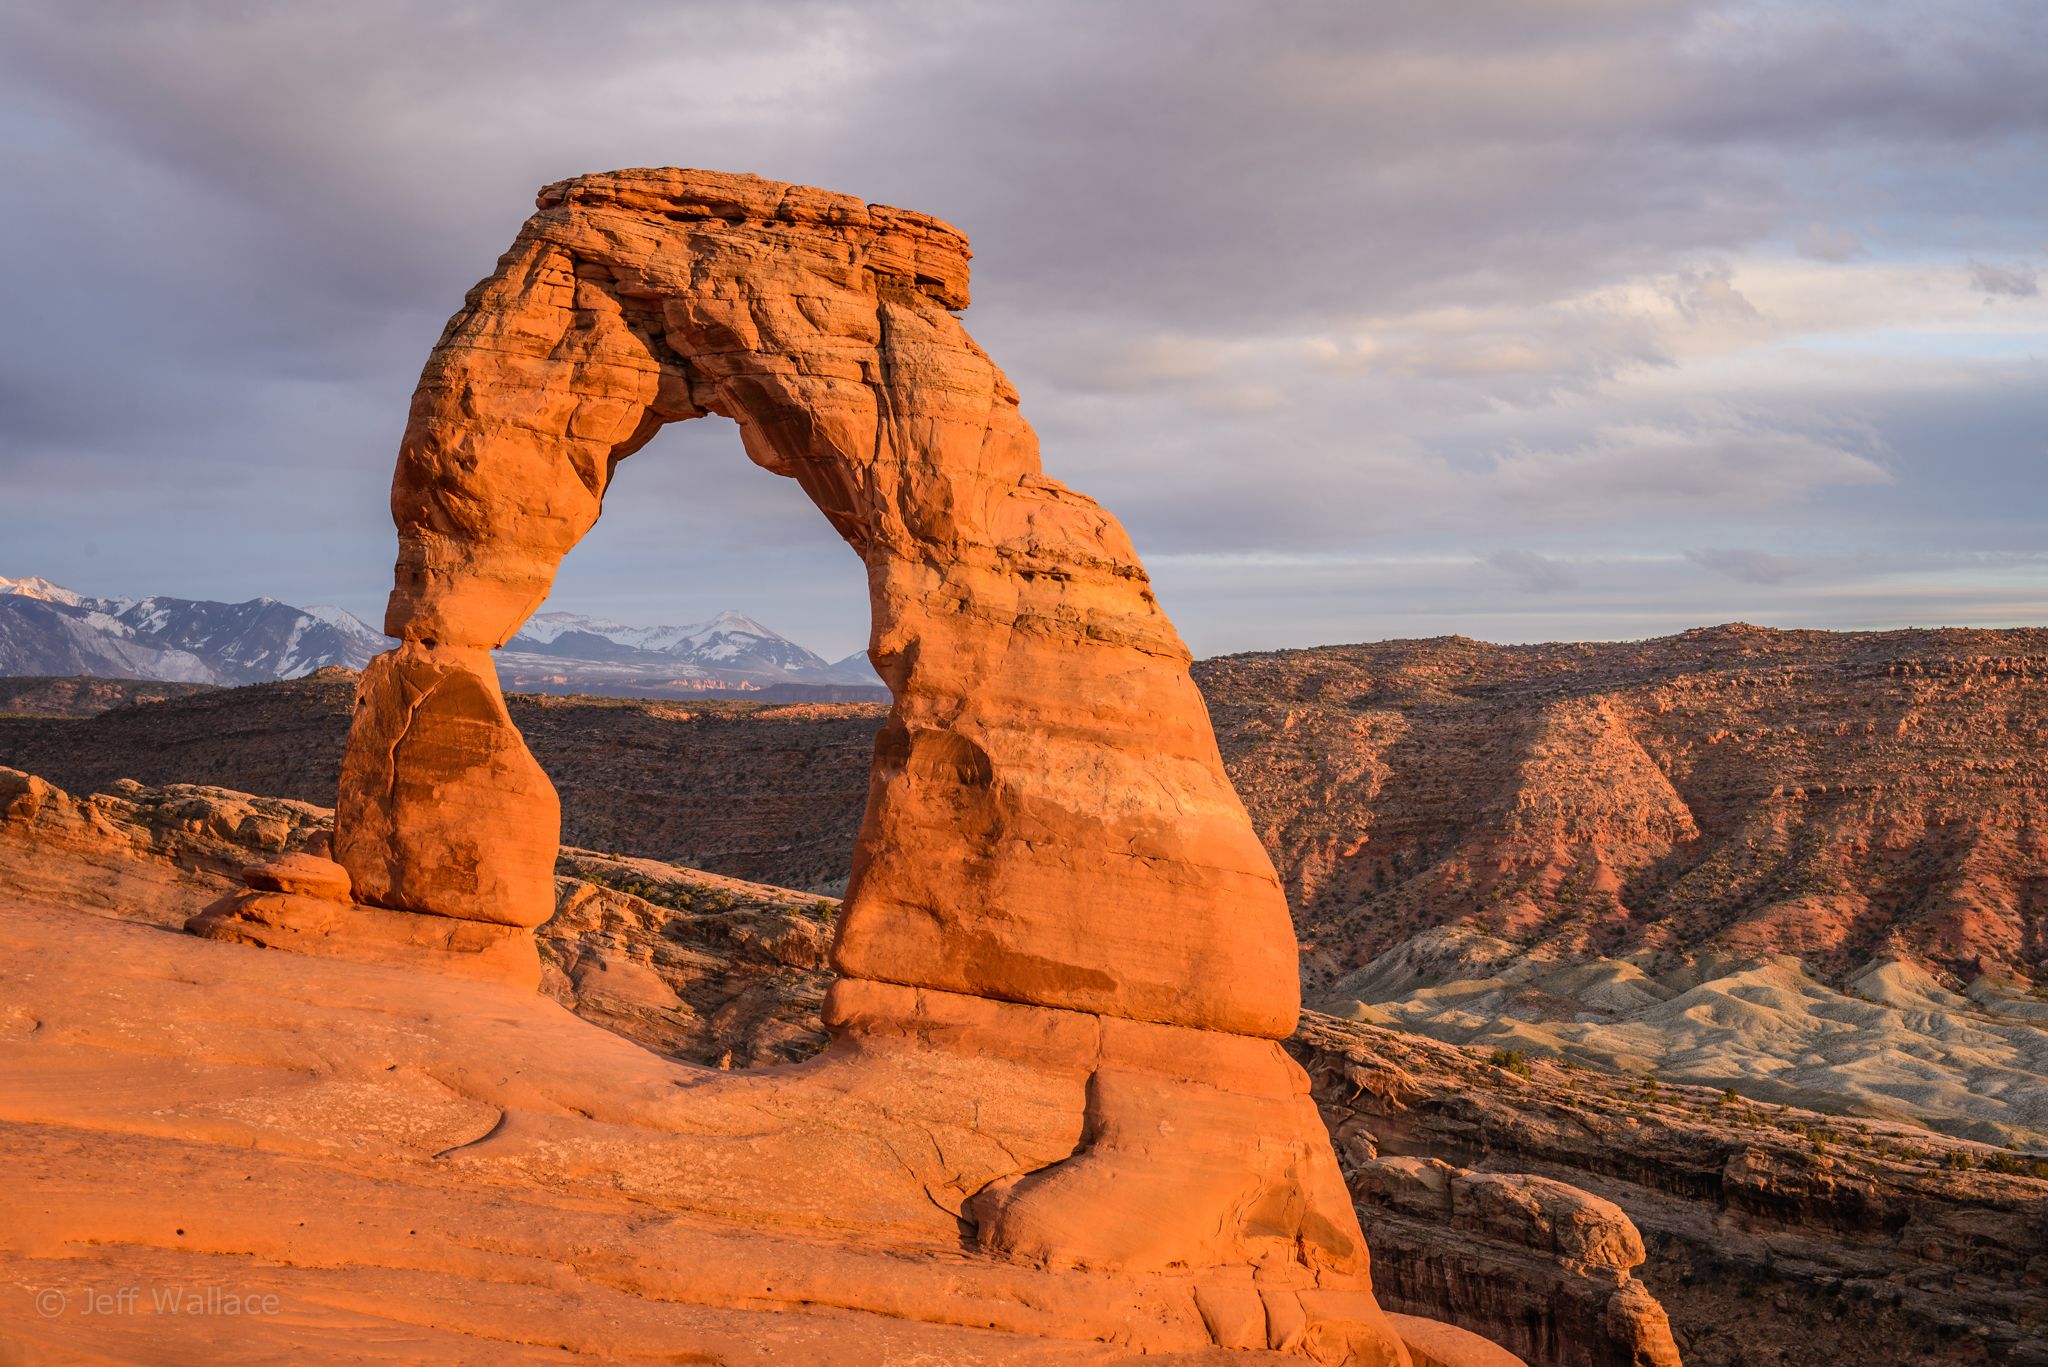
1512, 1060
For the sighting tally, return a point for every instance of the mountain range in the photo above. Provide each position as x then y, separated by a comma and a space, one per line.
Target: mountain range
47, 629
561, 652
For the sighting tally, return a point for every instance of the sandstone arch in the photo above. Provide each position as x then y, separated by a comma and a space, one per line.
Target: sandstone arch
1048, 819
1065, 961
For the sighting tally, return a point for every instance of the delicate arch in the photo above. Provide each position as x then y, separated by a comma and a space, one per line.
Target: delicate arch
1048, 819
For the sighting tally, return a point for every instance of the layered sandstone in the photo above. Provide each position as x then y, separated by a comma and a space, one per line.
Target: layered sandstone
1838, 796
1541, 1266
1046, 751
1064, 961
1772, 1234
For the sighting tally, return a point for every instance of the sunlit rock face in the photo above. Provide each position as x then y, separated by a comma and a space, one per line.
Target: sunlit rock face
1048, 820
1064, 961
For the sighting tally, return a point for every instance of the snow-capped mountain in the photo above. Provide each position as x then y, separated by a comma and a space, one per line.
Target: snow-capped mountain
558, 651
48, 629
259, 639
731, 642
37, 587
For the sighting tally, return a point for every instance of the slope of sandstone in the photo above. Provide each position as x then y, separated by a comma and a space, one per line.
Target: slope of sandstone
347, 1162
380, 1163
1836, 796
1507, 1199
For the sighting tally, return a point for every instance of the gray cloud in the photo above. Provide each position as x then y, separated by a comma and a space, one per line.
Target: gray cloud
1418, 278
1533, 572
2014, 282
1819, 242
1750, 566
1740, 465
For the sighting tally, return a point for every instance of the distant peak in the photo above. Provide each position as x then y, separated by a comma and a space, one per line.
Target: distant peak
339, 617
35, 586
732, 619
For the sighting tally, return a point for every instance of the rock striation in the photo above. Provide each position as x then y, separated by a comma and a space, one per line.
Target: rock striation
1838, 796
1065, 963
1541, 1266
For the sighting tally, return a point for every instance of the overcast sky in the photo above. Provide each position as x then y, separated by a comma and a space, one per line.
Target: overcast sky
1523, 319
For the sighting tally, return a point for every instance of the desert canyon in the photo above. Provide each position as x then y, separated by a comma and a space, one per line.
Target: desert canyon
1669, 1000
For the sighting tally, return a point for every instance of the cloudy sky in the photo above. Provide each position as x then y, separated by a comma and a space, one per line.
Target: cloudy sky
1524, 319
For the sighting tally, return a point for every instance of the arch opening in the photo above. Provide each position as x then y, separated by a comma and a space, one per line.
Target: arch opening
753, 772
690, 532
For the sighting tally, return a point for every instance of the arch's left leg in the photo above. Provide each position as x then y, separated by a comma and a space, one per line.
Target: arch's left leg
447, 829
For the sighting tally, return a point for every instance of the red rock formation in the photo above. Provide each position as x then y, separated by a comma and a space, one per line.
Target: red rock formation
1539, 1265
1773, 1232
446, 812
1047, 751
1065, 959
1838, 796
